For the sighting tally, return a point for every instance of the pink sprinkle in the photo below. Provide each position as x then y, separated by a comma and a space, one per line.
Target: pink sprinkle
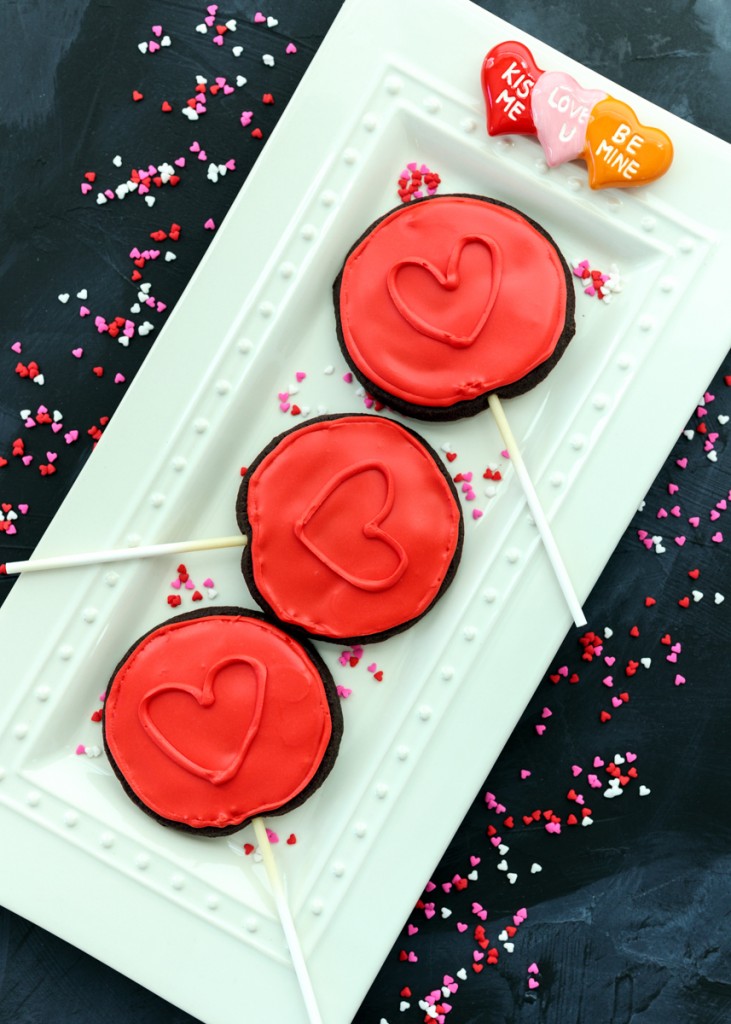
348, 378
246, 116
546, 713
524, 773
461, 927
210, 225
81, 749
22, 508
540, 729
717, 538
157, 30
532, 983
16, 347
272, 836
300, 376
680, 541
477, 513
175, 584
679, 680
259, 18
343, 692
208, 582
505, 453
533, 968
84, 311
119, 378
291, 48
576, 770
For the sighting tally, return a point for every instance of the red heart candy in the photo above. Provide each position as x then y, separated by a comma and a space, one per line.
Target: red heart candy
509, 73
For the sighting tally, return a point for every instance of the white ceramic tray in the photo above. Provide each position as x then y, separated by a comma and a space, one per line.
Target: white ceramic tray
192, 918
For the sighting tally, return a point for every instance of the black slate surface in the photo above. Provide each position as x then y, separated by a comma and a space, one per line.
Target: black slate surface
628, 919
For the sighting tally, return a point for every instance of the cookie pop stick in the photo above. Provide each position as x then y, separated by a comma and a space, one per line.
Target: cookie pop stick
285, 917
450, 303
539, 516
119, 555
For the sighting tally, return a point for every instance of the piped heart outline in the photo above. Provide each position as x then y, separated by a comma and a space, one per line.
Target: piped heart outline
450, 281
205, 697
371, 529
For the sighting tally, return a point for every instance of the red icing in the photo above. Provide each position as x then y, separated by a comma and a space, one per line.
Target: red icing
214, 720
450, 298
509, 73
353, 527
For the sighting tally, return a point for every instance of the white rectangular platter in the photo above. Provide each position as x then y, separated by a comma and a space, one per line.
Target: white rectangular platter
192, 918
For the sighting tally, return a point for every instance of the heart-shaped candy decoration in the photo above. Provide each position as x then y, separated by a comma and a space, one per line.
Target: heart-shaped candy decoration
620, 151
561, 110
509, 73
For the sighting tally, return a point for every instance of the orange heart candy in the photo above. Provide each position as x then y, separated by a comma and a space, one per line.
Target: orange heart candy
620, 151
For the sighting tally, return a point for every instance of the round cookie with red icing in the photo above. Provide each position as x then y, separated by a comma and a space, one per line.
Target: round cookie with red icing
354, 528
450, 298
216, 717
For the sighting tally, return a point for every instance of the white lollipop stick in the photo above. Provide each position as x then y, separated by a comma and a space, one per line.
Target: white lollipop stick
285, 917
120, 554
537, 512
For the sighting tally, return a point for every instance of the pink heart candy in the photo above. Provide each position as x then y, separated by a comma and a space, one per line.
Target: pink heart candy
561, 110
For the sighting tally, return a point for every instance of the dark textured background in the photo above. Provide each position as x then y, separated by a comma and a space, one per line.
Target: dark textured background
629, 919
